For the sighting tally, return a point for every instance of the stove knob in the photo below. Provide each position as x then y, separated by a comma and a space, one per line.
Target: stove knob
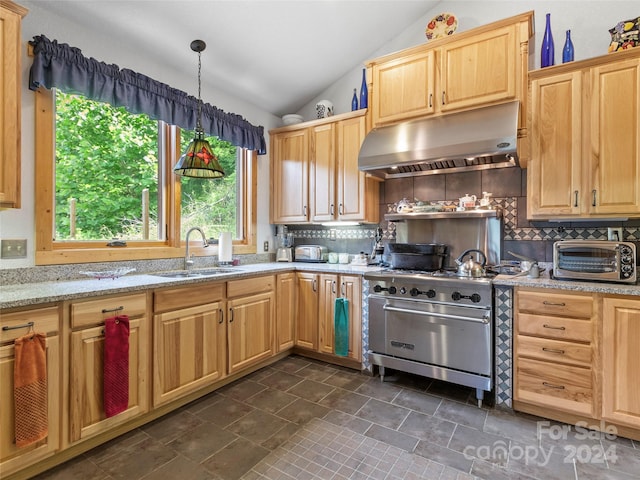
393, 290
455, 296
377, 288
414, 292
431, 293
475, 298
403, 290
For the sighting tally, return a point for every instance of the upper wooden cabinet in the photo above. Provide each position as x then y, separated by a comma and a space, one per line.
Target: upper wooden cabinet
314, 172
482, 66
585, 139
11, 93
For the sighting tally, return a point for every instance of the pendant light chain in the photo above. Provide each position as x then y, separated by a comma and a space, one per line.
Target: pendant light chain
199, 125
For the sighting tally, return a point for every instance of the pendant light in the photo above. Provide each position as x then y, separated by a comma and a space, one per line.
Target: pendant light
199, 161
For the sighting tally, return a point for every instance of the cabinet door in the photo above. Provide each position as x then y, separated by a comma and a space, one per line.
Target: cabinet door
328, 292
250, 336
479, 70
285, 311
307, 311
357, 198
351, 289
86, 409
11, 457
188, 350
615, 138
10, 94
554, 174
289, 179
621, 361
403, 88
322, 177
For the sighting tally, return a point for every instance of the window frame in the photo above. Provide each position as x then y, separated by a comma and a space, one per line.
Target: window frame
50, 252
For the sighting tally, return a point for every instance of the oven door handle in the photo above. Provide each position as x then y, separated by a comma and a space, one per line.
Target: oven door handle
485, 319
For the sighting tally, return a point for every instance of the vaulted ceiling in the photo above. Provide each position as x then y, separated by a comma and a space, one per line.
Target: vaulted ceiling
277, 55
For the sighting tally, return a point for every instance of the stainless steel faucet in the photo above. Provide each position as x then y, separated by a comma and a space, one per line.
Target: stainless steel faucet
188, 262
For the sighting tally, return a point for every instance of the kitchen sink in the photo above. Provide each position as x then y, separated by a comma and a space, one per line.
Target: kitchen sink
209, 272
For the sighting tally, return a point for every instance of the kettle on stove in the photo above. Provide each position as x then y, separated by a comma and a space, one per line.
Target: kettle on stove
471, 268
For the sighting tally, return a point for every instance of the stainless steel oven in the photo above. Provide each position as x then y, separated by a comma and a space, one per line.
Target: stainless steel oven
434, 324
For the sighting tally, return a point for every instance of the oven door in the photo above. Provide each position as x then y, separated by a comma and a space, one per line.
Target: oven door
449, 336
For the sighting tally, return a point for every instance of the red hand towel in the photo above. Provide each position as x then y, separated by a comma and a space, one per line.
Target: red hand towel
116, 365
30, 389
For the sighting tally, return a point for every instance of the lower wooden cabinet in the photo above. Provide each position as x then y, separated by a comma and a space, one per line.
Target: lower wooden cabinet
621, 360
86, 363
189, 340
285, 311
317, 294
250, 321
46, 320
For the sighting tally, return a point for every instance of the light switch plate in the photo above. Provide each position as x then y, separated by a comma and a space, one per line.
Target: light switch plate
614, 234
13, 248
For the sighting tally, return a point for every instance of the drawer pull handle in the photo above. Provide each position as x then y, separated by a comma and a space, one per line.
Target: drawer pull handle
28, 325
107, 310
552, 327
221, 316
551, 385
558, 304
553, 350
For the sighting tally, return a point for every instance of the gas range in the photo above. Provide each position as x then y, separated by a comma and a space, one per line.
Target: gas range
442, 286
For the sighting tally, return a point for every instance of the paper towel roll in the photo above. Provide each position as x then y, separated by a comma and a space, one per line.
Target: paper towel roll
225, 247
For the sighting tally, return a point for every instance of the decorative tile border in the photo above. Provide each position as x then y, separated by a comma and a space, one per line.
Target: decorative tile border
366, 365
503, 299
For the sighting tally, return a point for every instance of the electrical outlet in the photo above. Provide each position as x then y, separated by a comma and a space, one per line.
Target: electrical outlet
332, 234
265, 247
615, 234
13, 249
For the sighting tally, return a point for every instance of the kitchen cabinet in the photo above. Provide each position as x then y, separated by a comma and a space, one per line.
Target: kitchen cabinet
189, 340
86, 364
621, 360
555, 350
307, 310
250, 321
285, 311
479, 67
316, 307
11, 15
315, 176
45, 320
585, 139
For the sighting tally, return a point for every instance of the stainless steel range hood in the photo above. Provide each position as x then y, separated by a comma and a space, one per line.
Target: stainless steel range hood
473, 140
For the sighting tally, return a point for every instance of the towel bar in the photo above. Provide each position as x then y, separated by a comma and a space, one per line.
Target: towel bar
106, 310
24, 325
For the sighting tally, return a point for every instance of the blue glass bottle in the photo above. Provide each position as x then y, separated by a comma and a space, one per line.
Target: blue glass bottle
547, 54
364, 91
567, 51
354, 100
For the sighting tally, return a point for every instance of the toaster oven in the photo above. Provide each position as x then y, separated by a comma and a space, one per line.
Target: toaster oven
606, 261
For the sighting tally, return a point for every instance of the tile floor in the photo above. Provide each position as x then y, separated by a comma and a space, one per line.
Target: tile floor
303, 419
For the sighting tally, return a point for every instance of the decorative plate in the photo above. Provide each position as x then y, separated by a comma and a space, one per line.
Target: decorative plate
441, 26
109, 273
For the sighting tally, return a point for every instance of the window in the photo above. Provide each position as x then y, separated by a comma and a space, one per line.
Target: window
107, 174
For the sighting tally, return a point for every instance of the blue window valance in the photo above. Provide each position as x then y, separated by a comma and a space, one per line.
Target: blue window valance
62, 66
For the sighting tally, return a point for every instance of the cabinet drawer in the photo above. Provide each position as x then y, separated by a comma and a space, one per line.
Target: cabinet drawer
555, 350
579, 330
249, 286
96, 311
184, 297
559, 386
46, 320
557, 304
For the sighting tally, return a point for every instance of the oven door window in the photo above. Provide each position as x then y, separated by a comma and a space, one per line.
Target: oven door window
591, 260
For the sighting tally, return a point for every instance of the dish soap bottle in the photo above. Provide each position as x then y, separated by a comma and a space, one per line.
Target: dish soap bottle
354, 100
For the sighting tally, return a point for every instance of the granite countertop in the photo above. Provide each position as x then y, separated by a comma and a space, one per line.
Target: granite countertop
26, 294
545, 281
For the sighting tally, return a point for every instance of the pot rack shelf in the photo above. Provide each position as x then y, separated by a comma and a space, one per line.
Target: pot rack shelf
477, 213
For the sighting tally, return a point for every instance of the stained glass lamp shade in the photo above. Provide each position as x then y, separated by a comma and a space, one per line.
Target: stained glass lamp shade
199, 161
